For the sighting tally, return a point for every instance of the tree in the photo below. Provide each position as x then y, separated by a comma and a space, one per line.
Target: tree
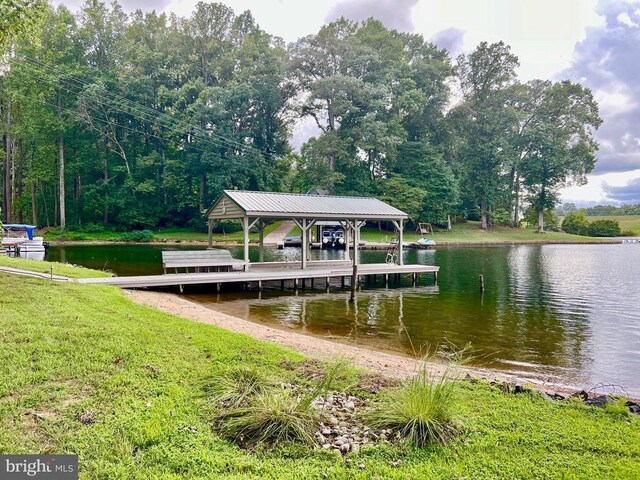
484, 122
559, 143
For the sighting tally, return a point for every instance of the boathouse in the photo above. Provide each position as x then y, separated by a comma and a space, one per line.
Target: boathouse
305, 210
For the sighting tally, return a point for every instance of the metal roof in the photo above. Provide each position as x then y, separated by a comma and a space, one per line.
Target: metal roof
295, 205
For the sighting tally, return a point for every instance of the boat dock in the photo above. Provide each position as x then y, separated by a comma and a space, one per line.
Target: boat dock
259, 276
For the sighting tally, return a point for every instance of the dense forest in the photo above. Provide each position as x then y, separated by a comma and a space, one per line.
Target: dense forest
141, 120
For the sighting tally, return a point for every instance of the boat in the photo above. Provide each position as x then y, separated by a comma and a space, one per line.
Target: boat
19, 238
424, 243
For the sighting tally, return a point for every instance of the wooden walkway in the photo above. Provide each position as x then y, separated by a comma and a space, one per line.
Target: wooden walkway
264, 274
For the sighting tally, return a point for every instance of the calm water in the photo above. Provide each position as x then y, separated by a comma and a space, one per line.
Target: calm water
557, 312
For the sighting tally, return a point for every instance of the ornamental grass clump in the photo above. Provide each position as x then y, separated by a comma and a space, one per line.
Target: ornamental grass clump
235, 387
420, 412
272, 417
279, 415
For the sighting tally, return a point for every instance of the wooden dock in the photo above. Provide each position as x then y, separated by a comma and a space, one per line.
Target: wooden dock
372, 271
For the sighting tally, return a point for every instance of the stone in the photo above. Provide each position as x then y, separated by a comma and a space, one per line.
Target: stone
345, 448
581, 394
600, 401
326, 431
339, 441
326, 445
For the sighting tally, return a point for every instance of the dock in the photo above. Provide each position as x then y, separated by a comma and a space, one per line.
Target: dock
370, 271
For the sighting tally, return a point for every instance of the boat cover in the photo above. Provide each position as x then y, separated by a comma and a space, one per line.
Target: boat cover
18, 226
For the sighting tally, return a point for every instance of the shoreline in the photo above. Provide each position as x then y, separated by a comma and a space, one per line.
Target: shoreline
393, 365
366, 246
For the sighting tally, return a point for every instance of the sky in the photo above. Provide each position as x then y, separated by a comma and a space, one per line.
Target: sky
595, 42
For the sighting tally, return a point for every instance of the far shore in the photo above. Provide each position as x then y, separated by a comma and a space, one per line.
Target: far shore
366, 246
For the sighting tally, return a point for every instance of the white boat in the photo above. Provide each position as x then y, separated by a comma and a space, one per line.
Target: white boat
19, 238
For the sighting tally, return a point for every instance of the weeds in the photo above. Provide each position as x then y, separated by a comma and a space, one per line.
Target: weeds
273, 416
419, 412
236, 387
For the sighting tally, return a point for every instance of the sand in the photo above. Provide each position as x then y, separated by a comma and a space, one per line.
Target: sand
383, 363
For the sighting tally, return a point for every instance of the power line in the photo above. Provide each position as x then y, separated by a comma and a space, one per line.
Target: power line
135, 109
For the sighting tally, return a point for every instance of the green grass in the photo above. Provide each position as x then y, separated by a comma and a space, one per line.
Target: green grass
71, 352
63, 269
160, 234
627, 222
421, 412
469, 232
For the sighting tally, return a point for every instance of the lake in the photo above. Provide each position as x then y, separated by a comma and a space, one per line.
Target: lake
560, 313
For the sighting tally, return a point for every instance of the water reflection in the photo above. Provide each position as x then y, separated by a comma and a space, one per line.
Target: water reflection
560, 312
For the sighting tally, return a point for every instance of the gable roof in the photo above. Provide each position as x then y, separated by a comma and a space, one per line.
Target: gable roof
296, 205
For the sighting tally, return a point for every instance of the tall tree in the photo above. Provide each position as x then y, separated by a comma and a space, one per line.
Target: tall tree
485, 122
559, 142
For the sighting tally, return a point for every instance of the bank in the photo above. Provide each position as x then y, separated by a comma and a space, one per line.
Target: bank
68, 349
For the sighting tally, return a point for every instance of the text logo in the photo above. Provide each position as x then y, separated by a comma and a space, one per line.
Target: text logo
46, 467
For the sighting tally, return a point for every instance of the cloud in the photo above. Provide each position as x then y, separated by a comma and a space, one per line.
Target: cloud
629, 193
450, 38
394, 14
607, 62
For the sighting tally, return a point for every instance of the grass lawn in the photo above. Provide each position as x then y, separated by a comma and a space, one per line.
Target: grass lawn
63, 269
469, 232
627, 222
169, 234
66, 349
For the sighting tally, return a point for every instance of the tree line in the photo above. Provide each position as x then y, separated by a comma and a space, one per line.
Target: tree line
141, 120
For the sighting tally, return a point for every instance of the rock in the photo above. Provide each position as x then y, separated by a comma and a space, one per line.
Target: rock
600, 401
345, 448
326, 445
349, 405
339, 441
633, 407
87, 417
326, 431
581, 394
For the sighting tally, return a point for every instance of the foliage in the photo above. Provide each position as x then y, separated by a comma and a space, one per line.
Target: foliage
277, 415
420, 412
235, 387
139, 121
18, 17
576, 223
137, 236
604, 228
273, 417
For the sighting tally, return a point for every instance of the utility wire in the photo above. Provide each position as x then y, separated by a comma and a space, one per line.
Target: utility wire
129, 107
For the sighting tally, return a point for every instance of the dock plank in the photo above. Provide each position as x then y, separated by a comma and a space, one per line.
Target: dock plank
256, 275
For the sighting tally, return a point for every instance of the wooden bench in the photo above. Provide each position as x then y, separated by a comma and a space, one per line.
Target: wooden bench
216, 260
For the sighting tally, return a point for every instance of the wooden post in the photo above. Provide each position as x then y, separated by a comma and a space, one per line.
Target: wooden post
281, 284
482, 283
342, 278
259, 284
328, 283
354, 281
305, 239
210, 230
413, 279
400, 240
386, 279
245, 227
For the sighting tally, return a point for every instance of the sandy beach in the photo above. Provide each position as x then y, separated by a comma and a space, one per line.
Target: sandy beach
383, 363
